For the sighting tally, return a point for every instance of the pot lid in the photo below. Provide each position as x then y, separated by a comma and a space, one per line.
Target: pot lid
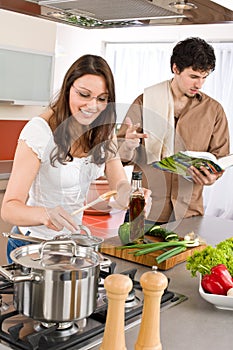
86, 241
59, 256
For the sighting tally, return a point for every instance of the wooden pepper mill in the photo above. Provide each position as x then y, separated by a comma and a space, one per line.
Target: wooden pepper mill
117, 287
153, 284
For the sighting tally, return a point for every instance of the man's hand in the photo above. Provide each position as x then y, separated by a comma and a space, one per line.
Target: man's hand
132, 137
131, 140
203, 177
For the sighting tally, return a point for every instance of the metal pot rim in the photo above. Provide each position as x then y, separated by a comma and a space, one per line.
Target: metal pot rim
86, 241
56, 256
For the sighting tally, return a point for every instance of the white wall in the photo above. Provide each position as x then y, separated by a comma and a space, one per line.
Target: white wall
169, 33
73, 42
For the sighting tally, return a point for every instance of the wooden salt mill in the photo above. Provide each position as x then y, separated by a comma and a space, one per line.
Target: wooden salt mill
153, 284
117, 287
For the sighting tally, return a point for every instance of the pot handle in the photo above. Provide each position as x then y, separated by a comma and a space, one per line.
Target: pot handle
66, 242
86, 230
69, 234
104, 261
19, 278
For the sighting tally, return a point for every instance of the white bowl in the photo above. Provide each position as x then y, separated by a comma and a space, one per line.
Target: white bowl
219, 301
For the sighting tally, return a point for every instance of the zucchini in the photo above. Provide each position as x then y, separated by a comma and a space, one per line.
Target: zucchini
158, 231
150, 230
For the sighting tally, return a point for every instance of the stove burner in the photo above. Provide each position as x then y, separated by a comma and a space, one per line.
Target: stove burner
62, 330
132, 300
131, 296
60, 326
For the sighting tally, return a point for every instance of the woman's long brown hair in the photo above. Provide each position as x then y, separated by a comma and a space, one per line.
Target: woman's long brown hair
96, 138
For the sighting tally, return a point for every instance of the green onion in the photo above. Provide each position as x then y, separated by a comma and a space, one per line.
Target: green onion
150, 250
170, 253
146, 248
157, 245
133, 246
161, 245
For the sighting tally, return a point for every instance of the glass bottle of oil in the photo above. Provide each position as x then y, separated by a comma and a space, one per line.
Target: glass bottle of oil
136, 208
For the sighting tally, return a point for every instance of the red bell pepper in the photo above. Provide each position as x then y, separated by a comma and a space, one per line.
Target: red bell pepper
219, 281
211, 284
223, 276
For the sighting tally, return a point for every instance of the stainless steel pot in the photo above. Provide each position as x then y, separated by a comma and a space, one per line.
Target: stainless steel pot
56, 281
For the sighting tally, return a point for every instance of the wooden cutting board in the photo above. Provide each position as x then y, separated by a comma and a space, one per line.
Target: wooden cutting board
109, 247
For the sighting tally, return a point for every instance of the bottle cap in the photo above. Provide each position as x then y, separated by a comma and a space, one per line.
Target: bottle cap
137, 175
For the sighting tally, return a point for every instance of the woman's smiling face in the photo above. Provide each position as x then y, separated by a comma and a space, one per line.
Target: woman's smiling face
88, 98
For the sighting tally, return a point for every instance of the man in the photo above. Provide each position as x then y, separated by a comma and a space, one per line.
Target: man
170, 117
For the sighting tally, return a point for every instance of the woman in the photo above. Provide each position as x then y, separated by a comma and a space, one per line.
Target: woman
60, 152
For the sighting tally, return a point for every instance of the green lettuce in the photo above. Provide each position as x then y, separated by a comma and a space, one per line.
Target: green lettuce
203, 261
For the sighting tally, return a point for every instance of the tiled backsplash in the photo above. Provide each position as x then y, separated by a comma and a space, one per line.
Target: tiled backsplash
9, 133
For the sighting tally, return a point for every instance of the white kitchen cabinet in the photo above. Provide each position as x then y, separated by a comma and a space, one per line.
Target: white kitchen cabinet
32, 73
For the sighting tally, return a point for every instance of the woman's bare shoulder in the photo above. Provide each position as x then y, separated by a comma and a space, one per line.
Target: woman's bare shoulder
46, 115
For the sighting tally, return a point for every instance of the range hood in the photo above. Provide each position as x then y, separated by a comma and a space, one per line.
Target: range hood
112, 11
121, 13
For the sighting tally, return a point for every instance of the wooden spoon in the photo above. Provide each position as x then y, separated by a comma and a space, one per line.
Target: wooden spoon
101, 198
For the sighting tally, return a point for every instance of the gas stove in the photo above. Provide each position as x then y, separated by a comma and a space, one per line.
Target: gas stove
21, 332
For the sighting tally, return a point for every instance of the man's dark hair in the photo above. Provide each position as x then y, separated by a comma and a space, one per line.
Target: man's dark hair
195, 53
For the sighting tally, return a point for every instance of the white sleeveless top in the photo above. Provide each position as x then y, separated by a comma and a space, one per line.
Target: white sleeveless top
64, 185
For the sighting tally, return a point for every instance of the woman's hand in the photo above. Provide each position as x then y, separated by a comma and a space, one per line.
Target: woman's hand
57, 219
203, 177
121, 200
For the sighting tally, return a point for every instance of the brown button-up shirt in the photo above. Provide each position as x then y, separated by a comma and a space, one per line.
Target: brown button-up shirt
202, 126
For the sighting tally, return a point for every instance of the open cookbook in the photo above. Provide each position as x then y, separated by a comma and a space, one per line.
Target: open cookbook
179, 163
